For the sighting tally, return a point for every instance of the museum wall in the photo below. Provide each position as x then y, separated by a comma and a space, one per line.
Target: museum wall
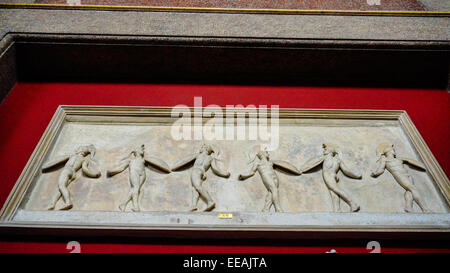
29, 107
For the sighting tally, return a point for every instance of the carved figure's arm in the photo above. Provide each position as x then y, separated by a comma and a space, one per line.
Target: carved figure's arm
353, 173
250, 173
414, 163
159, 163
89, 170
381, 165
119, 169
215, 168
312, 163
286, 166
183, 162
52, 163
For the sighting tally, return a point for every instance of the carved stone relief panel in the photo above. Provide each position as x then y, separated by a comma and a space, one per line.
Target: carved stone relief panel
97, 166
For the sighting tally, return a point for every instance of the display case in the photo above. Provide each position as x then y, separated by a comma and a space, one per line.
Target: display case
295, 55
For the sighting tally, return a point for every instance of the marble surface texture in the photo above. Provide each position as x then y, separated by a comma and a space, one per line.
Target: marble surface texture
172, 192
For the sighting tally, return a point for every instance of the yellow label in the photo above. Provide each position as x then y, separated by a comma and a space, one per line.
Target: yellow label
225, 215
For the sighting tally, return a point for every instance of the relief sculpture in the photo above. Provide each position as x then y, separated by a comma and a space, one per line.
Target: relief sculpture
83, 158
208, 157
204, 159
332, 162
387, 159
136, 161
315, 170
264, 165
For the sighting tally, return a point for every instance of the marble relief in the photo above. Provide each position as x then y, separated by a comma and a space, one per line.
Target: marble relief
324, 169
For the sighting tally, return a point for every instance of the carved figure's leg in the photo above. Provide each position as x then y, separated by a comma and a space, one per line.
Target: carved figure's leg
55, 199
408, 201
196, 180
135, 181
270, 181
194, 201
407, 183
330, 181
136, 191
63, 181
273, 189
419, 200
123, 205
336, 201
276, 200
268, 202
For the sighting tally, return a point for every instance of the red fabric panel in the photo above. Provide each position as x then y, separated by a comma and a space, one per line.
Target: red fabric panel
150, 247
27, 110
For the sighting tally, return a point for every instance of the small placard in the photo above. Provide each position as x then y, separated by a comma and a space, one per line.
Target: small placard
225, 215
